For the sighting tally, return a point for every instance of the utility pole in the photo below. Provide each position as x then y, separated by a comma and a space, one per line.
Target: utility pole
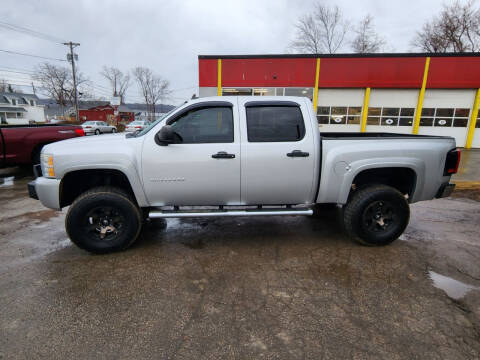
71, 58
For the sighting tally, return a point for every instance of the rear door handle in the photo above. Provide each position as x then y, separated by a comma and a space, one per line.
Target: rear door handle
223, 155
298, 153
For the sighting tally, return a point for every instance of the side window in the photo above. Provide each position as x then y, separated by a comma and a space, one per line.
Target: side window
205, 125
274, 123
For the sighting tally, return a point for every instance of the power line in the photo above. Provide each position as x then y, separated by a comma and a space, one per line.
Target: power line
31, 32
36, 56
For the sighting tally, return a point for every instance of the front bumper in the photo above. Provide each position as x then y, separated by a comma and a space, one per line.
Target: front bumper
445, 190
47, 191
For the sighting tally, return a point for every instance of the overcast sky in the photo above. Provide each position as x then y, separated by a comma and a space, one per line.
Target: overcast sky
167, 36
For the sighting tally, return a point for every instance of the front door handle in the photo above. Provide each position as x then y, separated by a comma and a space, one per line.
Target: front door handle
298, 153
223, 155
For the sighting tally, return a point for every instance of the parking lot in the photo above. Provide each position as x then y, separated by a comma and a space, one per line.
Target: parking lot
276, 288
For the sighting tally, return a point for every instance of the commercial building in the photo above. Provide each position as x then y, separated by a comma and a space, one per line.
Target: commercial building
431, 94
20, 109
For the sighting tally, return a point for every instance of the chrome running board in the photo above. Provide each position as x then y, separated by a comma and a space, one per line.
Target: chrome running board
212, 213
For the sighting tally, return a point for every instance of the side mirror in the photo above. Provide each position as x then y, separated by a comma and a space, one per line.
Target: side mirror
166, 136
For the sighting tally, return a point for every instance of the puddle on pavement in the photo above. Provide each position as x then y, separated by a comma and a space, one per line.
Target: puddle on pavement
453, 288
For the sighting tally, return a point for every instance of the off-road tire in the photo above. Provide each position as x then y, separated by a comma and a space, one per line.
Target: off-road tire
356, 215
77, 220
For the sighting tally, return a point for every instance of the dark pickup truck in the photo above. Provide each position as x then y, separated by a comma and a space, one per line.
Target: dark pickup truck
21, 144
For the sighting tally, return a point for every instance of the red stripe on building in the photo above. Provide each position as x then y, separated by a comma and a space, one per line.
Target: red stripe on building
268, 72
343, 72
371, 72
207, 73
454, 72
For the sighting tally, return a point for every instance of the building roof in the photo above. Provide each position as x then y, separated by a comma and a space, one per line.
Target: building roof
124, 108
19, 96
11, 109
345, 55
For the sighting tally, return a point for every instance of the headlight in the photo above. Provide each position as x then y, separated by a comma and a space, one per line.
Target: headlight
46, 162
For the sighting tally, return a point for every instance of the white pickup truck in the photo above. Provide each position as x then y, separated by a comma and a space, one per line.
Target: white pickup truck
240, 156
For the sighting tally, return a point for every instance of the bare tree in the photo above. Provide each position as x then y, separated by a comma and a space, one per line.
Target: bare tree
4, 86
455, 29
118, 81
153, 87
322, 31
57, 83
366, 39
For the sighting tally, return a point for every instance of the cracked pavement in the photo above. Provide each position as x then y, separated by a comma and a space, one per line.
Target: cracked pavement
246, 288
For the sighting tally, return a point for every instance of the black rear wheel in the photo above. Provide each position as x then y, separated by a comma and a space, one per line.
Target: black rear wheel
376, 215
103, 220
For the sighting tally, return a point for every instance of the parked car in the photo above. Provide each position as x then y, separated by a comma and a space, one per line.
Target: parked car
98, 127
241, 156
21, 144
136, 125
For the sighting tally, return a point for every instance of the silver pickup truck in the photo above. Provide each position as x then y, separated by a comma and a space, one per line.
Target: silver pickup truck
240, 156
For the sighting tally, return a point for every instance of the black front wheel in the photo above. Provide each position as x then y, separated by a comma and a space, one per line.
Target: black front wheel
103, 220
376, 215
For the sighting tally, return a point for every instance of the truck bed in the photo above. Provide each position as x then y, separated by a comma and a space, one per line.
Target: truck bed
375, 136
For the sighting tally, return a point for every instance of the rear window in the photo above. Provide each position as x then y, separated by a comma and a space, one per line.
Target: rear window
274, 124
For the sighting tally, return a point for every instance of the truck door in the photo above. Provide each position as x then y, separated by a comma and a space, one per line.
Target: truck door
278, 153
204, 169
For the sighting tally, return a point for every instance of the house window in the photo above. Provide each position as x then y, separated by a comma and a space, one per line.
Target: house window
14, 101
32, 102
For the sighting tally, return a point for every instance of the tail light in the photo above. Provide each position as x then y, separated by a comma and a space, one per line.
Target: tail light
452, 162
138, 127
80, 132
88, 127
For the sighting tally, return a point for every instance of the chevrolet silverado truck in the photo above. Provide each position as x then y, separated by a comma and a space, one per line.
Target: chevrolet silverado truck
22, 144
240, 156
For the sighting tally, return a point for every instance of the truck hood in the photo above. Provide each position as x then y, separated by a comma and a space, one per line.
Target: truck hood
85, 142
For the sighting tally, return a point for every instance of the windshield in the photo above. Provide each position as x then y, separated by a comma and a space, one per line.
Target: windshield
152, 125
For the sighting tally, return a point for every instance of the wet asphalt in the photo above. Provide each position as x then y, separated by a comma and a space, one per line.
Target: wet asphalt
243, 288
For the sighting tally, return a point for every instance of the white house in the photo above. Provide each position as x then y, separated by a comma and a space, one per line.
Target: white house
20, 109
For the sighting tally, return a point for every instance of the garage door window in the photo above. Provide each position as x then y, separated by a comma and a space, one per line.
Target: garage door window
336, 115
445, 117
274, 124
